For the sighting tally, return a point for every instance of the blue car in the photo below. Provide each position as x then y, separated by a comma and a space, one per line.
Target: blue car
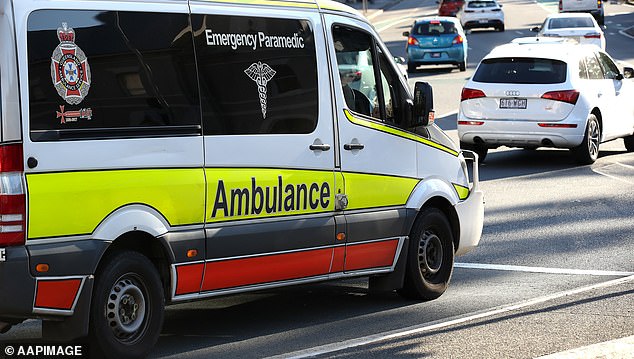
434, 41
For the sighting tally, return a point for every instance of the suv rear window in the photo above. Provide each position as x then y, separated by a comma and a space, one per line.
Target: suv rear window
521, 71
481, 4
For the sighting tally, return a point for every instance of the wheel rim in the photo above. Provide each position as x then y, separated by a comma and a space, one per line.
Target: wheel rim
593, 139
430, 254
126, 308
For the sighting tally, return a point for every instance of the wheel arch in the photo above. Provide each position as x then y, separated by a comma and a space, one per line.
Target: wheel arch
597, 113
436, 193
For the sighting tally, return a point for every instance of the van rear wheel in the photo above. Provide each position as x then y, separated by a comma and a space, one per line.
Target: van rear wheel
127, 310
430, 256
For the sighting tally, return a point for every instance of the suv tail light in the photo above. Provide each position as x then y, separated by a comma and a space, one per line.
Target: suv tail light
457, 40
599, 3
468, 94
560, 6
569, 96
412, 41
12, 197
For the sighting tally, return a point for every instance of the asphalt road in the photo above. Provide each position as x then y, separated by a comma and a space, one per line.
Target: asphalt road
554, 270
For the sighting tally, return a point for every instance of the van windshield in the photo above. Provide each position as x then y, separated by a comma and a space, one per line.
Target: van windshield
521, 71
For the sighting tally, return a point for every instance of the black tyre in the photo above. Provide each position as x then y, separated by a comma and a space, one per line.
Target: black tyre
127, 308
411, 68
479, 149
588, 151
462, 66
629, 143
430, 256
500, 28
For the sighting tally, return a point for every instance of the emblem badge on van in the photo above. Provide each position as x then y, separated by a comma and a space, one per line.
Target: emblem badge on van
69, 67
261, 74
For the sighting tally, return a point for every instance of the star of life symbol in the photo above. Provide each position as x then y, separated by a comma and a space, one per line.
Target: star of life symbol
261, 74
69, 67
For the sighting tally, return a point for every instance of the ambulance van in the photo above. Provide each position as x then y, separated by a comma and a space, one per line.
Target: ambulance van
161, 151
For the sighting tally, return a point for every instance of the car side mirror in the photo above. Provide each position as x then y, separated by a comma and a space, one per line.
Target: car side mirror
500, 5
406, 33
628, 72
535, 29
423, 105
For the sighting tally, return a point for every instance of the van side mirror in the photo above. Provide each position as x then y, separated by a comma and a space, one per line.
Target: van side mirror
628, 72
423, 105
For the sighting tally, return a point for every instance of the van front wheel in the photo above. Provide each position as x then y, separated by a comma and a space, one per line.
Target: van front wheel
127, 310
430, 256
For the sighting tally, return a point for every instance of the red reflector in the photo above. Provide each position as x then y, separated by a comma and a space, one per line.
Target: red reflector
457, 40
11, 158
557, 125
592, 36
412, 41
471, 123
468, 94
569, 96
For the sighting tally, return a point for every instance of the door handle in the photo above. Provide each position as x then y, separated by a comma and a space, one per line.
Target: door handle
353, 146
321, 147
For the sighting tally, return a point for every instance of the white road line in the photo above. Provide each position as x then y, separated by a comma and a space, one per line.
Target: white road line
503, 267
519, 32
622, 32
611, 176
444, 323
407, 19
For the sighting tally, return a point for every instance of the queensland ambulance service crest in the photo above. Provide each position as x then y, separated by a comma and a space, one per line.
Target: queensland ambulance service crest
69, 67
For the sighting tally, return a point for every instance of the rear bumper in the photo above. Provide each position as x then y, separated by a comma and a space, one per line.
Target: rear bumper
445, 55
18, 286
481, 24
495, 133
62, 294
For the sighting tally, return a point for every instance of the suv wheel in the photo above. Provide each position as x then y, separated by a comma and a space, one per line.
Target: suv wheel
588, 151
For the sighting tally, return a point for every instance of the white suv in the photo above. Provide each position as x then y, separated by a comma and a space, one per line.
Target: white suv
547, 95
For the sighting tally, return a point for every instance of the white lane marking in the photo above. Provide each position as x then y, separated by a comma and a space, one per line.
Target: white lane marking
443, 323
519, 32
622, 32
407, 19
504, 267
618, 348
597, 171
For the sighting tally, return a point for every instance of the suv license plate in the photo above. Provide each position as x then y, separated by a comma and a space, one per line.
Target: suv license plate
513, 103
435, 54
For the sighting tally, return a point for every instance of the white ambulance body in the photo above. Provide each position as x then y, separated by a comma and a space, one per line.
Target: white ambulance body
154, 152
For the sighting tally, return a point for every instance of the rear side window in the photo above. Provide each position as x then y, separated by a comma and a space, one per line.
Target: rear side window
258, 75
105, 74
564, 23
521, 71
435, 28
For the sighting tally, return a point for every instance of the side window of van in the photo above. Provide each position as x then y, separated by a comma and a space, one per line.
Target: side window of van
258, 75
360, 62
111, 74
